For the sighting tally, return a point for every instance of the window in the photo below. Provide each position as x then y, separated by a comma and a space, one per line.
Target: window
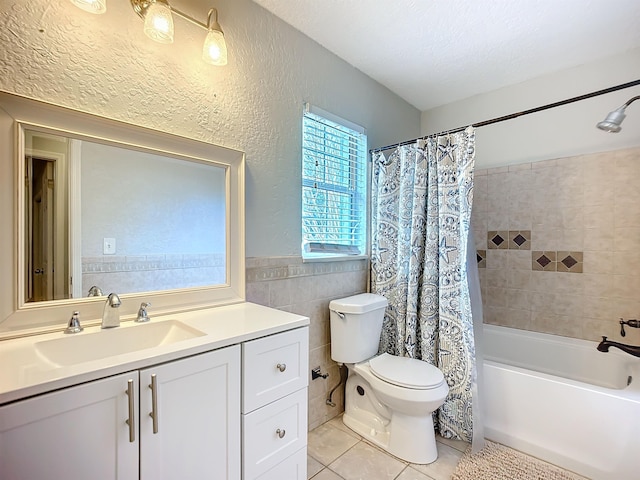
333, 185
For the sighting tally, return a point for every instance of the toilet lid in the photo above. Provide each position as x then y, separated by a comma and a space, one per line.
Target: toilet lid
406, 372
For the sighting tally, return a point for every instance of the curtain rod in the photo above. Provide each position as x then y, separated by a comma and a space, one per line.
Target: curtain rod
516, 115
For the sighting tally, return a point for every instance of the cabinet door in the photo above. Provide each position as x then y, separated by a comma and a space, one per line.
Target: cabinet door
197, 414
75, 433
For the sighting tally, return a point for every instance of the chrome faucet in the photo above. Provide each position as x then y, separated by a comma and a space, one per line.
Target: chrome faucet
604, 345
111, 314
143, 316
94, 291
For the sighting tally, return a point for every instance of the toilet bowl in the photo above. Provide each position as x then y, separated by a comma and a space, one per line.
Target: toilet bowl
389, 400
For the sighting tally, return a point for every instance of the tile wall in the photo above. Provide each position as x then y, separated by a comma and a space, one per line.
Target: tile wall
144, 273
306, 289
558, 244
567, 261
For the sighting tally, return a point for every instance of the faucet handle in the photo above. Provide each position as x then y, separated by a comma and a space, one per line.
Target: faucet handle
143, 316
74, 324
633, 323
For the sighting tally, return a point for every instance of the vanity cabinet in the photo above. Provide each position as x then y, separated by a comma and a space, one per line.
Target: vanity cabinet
75, 433
274, 406
232, 408
192, 428
103, 429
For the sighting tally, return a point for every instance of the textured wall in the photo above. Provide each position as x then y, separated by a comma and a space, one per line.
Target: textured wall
104, 64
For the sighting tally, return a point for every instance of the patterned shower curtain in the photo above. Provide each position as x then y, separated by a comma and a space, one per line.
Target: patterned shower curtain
421, 212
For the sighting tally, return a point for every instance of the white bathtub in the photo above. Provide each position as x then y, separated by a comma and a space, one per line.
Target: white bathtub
561, 400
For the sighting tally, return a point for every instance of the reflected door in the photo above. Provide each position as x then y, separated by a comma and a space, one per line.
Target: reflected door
41, 203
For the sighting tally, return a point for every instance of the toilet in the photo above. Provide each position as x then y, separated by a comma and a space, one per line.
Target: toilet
389, 400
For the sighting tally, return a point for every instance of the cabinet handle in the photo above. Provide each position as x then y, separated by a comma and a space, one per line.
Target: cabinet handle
281, 366
154, 402
281, 433
131, 421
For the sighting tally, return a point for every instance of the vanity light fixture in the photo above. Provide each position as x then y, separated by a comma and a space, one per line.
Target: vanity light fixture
158, 25
612, 123
91, 6
158, 21
214, 50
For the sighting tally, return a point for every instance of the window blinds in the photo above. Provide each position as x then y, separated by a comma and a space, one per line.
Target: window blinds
333, 185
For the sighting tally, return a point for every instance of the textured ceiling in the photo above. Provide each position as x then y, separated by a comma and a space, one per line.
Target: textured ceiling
433, 52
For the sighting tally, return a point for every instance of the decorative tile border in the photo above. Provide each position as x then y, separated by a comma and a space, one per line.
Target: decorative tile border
543, 261
141, 263
519, 239
481, 256
511, 240
570, 262
278, 268
498, 239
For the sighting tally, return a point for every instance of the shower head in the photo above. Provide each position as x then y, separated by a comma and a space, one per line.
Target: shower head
614, 119
612, 123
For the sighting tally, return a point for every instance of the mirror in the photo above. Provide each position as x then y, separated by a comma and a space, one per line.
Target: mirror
138, 221
101, 206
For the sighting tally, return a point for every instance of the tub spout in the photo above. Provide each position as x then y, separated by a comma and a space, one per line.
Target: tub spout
604, 345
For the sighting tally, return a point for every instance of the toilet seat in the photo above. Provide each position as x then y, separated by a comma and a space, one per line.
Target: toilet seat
406, 372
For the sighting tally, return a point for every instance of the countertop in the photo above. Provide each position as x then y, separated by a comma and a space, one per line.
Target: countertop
25, 372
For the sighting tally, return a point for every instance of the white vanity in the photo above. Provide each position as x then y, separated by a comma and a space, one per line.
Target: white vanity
212, 387
223, 395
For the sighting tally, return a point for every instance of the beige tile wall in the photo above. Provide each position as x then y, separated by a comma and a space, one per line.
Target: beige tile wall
587, 205
306, 289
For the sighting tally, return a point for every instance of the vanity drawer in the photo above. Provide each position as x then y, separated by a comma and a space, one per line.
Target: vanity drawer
293, 468
273, 433
273, 367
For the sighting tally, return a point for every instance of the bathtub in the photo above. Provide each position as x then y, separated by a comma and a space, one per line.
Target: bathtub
561, 400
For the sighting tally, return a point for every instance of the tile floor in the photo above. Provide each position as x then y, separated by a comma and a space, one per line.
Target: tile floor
337, 453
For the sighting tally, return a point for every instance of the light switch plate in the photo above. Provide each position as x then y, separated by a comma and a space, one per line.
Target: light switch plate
109, 247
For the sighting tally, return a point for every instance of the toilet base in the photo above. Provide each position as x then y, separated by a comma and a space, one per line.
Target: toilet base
416, 444
409, 438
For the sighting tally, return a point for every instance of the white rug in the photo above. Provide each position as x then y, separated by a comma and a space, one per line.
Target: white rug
497, 462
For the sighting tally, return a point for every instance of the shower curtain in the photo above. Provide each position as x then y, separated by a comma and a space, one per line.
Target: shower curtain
421, 211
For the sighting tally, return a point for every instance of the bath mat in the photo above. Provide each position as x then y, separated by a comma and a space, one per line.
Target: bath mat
497, 462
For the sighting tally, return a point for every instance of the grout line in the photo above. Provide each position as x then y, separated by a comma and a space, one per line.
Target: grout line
335, 473
342, 454
428, 477
401, 472
382, 450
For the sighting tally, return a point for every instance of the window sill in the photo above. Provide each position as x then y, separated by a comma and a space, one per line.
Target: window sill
331, 257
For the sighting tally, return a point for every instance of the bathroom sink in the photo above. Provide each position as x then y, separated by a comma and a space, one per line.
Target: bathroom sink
80, 348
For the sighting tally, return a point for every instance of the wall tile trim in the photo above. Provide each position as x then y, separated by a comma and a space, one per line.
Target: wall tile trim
292, 267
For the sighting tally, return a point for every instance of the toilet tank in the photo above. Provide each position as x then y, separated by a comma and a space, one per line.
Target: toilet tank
356, 325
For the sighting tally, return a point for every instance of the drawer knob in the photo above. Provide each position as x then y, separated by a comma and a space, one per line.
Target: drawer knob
280, 433
282, 367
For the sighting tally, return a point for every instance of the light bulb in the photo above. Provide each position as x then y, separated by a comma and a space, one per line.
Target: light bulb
158, 22
91, 6
214, 50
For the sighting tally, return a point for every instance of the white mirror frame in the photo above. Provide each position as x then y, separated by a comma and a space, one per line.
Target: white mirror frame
18, 318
